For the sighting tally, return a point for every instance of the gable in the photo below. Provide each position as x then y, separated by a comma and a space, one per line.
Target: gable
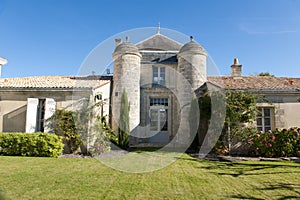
159, 42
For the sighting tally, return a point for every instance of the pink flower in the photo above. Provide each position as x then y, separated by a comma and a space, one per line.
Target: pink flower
269, 145
272, 137
257, 135
270, 131
250, 142
265, 141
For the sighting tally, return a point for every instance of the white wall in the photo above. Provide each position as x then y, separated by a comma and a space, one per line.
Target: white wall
289, 114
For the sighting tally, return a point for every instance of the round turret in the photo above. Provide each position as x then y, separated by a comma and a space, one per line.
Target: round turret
192, 63
192, 48
125, 48
126, 76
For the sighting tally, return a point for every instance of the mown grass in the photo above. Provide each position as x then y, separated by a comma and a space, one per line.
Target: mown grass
187, 178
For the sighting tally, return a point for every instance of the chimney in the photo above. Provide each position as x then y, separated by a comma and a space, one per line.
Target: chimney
236, 68
118, 41
3, 61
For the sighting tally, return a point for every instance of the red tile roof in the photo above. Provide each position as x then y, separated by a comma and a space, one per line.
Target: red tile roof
51, 82
256, 82
72, 82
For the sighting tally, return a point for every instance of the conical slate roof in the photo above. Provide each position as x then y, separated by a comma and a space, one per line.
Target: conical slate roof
126, 48
192, 47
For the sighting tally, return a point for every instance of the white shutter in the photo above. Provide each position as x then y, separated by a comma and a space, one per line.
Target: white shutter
32, 105
50, 107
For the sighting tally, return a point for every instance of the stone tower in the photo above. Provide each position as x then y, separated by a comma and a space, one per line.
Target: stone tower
127, 67
192, 63
192, 72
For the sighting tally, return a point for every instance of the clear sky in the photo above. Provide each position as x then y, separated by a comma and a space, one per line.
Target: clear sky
53, 37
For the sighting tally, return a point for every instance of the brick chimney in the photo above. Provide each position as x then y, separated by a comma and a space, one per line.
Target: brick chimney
236, 68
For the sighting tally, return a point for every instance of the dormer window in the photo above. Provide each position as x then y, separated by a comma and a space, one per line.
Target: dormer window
159, 76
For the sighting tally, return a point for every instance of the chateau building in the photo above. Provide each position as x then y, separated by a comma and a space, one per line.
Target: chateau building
159, 76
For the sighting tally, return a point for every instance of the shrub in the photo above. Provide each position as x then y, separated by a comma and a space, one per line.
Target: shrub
124, 132
30, 144
99, 142
279, 143
62, 124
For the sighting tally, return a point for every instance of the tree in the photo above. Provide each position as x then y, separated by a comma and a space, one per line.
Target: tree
193, 121
81, 128
265, 74
124, 131
62, 124
240, 108
91, 128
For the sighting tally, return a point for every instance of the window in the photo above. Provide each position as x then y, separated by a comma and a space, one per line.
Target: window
40, 120
159, 102
158, 114
38, 110
264, 119
159, 76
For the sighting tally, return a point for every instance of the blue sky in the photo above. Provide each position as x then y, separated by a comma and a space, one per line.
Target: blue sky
53, 37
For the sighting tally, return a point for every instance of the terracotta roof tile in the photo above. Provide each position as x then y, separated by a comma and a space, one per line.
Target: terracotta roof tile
51, 82
256, 82
70, 82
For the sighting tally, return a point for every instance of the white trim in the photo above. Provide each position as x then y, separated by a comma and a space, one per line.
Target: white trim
31, 114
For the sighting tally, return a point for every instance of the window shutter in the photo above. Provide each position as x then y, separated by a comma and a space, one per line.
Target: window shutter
32, 104
50, 107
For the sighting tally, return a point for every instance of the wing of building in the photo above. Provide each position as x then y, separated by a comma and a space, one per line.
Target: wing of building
158, 74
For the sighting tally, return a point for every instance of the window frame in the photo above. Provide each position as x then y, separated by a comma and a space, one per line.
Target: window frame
159, 76
262, 115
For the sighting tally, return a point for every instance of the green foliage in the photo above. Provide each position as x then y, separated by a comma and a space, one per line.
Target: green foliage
124, 132
193, 118
241, 107
98, 140
265, 74
276, 144
62, 124
110, 135
30, 144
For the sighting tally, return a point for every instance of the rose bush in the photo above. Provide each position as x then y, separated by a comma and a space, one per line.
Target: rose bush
278, 143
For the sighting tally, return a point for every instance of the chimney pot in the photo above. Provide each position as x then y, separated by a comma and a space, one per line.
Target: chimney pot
236, 61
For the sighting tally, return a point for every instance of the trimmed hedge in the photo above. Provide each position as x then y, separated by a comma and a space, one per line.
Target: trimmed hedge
30, 144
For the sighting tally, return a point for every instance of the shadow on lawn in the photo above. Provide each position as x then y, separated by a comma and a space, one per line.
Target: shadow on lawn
277, 186
244, 168
285, 186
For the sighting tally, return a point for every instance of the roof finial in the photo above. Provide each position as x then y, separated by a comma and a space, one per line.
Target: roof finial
191, 38
158, 28
127, 39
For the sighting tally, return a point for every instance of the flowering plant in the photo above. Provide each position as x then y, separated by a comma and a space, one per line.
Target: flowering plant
278, 143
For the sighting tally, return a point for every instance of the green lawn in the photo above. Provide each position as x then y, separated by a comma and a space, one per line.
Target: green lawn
187, 178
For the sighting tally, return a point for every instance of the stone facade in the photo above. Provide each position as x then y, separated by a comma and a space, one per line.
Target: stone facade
160, 77
126, 78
